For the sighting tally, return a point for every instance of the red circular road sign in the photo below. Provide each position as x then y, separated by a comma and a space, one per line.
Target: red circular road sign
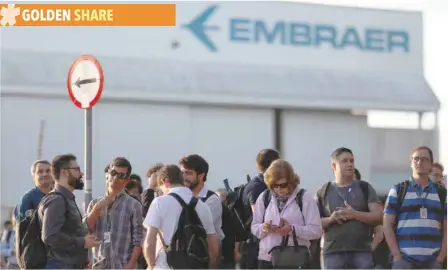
85, 81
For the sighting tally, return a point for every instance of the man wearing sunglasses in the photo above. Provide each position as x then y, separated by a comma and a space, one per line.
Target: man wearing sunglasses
116, 218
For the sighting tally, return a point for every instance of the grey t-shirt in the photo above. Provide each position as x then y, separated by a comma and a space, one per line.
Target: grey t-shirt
352, 235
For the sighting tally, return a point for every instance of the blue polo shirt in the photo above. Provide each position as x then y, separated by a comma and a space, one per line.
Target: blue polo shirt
419, 238
30, 200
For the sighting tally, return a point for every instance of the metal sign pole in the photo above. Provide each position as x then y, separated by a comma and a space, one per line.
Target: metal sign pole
88, 156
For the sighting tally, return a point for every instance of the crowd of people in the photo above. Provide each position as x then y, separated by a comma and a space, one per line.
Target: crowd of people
270, 222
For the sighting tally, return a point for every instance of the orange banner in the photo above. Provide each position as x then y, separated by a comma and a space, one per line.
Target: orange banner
88, 14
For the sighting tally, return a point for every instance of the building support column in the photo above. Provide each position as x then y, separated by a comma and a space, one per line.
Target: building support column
278, 130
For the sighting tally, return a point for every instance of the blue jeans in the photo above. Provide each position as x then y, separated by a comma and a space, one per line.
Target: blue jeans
348, 260
403, 264
53, 264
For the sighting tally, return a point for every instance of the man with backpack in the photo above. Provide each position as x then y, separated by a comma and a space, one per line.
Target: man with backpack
43, 183
415, 217
349, 209
58, 239
195, 170
180, 230
250, 193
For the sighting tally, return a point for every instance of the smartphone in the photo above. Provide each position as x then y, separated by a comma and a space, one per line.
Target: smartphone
226, 185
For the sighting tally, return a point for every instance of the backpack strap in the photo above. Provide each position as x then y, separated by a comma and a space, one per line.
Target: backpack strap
193, 202
57, 193
401, 193
365, 192
267, 199
209, 194
179, 199
321, 194
442, 195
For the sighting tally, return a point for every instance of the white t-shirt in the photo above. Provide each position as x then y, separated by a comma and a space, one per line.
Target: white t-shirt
215, 205
164, 214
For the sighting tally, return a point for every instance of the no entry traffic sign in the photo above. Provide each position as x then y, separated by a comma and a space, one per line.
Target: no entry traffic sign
85, 81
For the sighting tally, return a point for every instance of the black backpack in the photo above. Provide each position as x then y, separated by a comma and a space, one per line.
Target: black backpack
30, 250
188, 248
236, 205
231, 222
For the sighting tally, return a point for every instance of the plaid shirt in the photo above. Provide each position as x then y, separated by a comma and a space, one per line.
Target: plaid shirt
123, 219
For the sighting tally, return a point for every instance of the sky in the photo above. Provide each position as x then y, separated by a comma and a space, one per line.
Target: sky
435, 34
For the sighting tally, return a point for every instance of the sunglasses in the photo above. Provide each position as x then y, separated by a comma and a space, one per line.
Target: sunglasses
119, 174
282, 185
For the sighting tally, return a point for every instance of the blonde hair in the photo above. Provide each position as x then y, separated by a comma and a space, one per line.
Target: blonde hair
281, 169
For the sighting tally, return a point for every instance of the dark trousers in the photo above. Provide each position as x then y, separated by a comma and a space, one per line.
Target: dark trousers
249, 256
227, 265
262, 264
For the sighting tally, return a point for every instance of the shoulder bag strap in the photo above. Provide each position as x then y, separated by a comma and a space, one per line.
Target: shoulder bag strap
266, 200
294, 236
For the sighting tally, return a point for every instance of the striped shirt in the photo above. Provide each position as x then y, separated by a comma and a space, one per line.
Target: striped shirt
419, 238
123, 219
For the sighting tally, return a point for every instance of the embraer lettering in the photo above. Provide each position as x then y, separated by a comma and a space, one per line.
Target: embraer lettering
298, 34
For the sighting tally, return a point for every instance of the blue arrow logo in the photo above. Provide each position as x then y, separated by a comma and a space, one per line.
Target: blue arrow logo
198, 28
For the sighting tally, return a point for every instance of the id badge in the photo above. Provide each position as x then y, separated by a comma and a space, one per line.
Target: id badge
423, 213
106, 237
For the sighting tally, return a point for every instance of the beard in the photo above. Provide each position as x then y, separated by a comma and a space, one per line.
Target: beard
76, 182
193, 185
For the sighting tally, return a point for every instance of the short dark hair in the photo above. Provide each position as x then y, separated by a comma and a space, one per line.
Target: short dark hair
155, 168
172, 173
121, 162
336, 153
357, 174
265, 158
106, 169
195, 162
134, 184
37, 162
135, 177
431, 155
61, 162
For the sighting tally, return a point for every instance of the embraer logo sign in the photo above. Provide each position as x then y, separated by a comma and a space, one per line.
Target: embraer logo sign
198, 28
300, 34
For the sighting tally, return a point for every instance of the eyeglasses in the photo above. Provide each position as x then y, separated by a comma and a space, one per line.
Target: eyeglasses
119, 174
418, 159
282, 185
